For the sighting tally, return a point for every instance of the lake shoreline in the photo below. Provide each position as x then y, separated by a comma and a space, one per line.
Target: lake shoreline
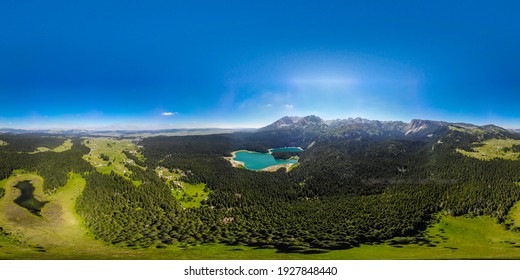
236, 163
240, 164
275, 168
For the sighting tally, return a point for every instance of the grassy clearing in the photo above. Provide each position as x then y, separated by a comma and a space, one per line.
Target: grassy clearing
3, 143
54, 221
40, 150
12, 249
189, 195
453, 237
293, 166
67, 145
106, 155
470, 130
494, 148
138, 153
513, 218
170, 176
58, 233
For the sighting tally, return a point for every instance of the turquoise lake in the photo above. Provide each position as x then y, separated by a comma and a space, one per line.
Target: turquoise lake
258, 161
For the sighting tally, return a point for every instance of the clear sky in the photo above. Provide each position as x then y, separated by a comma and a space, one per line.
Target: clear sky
160, 64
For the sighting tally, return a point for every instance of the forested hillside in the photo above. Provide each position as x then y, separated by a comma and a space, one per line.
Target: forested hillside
52, 166
348, 191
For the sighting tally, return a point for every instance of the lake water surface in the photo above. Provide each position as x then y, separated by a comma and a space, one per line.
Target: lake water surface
258, 161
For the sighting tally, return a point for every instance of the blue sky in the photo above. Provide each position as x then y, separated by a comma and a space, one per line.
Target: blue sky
161, 64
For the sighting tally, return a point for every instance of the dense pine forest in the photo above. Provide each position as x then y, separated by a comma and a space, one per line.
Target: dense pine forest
53, 167
355, 184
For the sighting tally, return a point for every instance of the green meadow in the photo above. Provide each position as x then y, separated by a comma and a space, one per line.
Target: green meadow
470, 130
494, 148
106, 155
67, 145
189, 195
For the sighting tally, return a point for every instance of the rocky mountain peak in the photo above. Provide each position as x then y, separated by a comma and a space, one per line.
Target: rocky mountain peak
296, 122
417, 125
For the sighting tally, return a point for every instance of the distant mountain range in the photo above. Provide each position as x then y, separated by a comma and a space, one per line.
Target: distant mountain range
359, 127
82, 132
338, 128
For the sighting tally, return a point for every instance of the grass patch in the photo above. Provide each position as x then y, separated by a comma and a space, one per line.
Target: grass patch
138, 153
40, 150
170, 176
189, 195
495, 148
451, 238
3, 143
2, 188
293, 166
67, 145
59, 233
106, 155
470, 130
58, 227
513, 218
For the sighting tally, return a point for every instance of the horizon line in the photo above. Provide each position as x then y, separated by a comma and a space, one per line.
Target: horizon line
128, 128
